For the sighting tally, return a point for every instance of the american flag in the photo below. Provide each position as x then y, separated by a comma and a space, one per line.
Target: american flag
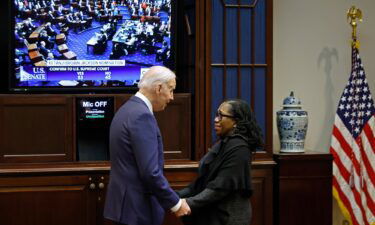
353, 148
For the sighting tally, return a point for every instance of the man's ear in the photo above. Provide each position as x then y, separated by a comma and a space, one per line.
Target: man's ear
158, 88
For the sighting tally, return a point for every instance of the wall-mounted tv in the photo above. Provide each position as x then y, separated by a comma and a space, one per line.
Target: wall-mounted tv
89, 44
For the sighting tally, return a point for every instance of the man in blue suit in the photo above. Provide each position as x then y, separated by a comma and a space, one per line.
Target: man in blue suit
138, 193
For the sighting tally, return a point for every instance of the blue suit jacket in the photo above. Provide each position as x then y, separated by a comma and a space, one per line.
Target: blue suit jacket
138, 193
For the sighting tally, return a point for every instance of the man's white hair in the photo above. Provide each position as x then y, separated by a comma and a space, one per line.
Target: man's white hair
156, 75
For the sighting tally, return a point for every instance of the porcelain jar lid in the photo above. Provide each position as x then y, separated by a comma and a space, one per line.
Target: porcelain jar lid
291, 101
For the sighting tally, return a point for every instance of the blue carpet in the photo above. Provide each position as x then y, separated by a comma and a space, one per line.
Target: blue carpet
163, 16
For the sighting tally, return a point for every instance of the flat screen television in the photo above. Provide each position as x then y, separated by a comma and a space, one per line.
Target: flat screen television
89, 44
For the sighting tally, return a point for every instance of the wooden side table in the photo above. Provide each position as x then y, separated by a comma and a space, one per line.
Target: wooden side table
303, 188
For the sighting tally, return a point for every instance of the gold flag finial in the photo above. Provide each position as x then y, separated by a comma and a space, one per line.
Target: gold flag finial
352, 15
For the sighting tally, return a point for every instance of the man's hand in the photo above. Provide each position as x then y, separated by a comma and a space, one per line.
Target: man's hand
184, 209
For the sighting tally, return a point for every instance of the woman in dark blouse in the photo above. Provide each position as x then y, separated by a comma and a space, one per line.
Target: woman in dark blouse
221, 193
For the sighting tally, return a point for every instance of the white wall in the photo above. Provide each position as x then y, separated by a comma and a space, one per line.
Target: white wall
312, 57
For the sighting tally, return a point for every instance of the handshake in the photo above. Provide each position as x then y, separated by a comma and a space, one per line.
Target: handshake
184, 210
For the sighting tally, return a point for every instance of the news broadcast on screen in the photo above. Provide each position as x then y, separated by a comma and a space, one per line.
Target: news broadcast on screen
91, 43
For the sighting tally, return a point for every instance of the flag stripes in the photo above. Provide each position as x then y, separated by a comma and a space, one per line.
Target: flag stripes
353, 148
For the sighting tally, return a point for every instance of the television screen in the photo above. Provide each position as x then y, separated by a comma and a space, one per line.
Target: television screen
89, 43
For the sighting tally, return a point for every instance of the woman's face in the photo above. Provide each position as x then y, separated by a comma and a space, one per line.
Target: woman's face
224, 121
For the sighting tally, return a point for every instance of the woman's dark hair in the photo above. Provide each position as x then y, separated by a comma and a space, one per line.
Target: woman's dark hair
246, 125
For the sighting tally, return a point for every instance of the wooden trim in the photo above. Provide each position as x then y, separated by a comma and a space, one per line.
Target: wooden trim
34, 155
80, 167
241, 5
305, 177
200, 79
252, 61
102, 166
34, 100
207, 20
237, 65
74, 130
269, 78
40, 189
308, 155
239, 50
224, 51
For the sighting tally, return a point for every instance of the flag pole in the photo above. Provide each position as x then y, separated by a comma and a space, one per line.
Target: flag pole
353, 15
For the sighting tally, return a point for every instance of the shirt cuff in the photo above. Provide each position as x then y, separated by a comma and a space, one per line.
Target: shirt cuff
177, 206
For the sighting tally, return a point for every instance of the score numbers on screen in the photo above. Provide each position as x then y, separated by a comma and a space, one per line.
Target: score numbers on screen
80, 75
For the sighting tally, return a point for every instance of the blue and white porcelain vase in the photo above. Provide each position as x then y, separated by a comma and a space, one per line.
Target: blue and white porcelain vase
292, 125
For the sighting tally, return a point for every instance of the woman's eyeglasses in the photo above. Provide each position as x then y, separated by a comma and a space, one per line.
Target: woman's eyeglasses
220, 115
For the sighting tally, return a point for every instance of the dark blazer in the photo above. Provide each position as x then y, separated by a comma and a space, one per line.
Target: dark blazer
138, 193
220, 195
